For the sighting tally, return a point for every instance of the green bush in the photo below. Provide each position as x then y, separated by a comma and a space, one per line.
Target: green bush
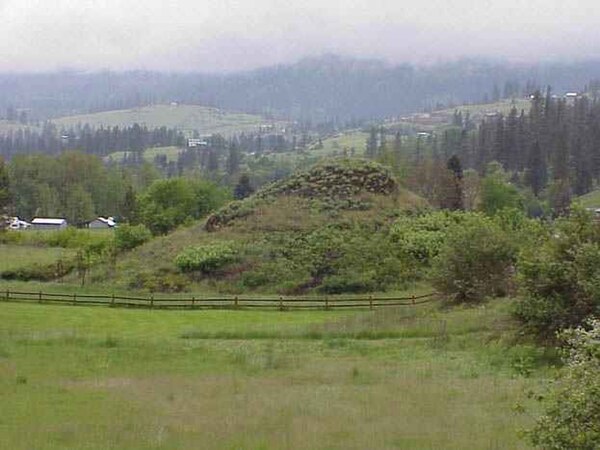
128, 237
560, 277
169, 203
39, 272
206, 258
421, 237
476, 261
571, 420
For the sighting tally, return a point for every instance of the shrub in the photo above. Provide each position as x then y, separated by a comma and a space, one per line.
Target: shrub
421, 237
560, 278
128, 236
39, 272
206, 258
169, 203
572, 417
475, 262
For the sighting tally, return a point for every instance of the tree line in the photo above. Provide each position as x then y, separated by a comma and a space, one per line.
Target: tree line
101, 141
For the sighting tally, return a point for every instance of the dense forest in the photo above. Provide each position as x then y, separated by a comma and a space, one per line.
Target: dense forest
96, 141
329, 88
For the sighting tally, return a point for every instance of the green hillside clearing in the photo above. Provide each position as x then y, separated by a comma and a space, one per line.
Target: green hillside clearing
187, 118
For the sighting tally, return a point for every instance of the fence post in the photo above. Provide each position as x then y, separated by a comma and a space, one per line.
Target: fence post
235, 302
74, 298
413, 299
112, 300
193, 300
151, 301
371, 302
40, 297
326, 303
280, 303
7, 294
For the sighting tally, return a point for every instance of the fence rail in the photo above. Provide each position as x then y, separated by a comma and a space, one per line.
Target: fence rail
231, 302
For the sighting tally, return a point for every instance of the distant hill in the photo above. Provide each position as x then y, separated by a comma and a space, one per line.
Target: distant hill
324, 89
188, 118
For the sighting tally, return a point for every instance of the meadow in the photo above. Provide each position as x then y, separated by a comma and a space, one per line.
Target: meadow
149, 154
104, 378
19, 256
189, 118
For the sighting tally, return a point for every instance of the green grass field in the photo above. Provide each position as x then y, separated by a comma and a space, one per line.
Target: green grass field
149, 154
203, 119
102, 378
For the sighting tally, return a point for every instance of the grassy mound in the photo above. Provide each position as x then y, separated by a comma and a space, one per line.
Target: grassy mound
326, 231
335, 184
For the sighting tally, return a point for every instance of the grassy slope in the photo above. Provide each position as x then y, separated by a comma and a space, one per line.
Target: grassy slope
149, 154
17, 256
98, 378
479, 110
590, 200
286, 214
185, 117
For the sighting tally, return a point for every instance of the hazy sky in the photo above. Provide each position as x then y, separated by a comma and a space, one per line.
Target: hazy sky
210, 35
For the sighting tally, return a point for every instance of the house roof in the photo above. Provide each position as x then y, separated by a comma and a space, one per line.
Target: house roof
46, 221
107, 220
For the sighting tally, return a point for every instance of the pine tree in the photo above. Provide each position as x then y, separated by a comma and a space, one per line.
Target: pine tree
452, 196
536, 174
233, 159
5, 197
243, 188
371, 150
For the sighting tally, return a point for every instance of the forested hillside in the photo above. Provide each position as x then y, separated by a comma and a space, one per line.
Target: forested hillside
328, 88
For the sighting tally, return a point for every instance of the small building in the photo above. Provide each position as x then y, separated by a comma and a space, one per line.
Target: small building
102, 223
42, 223
197, 142
17, 224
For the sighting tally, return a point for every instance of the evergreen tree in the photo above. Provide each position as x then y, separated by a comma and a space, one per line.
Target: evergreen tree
371, 150
233, 159
5, 197
212, 164
454, 197
243, 188
536, 174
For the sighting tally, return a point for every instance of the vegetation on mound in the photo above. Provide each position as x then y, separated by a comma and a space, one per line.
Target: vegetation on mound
332, 184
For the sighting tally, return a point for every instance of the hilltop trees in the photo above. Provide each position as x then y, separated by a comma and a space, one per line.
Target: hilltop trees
172, 202
5, 197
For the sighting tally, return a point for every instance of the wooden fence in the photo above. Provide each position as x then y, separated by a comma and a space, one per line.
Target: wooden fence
200, 302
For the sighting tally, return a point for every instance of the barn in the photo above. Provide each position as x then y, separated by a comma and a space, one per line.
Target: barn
102, 223
42, 223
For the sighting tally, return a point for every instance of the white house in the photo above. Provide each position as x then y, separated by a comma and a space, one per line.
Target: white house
17, 224
42, 223
197, 142
102, 223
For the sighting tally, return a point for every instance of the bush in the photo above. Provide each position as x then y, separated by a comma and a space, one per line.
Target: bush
206, 258
476, 261
572, 416
170, 203
560, 278
39, 272
422, 237
128, 237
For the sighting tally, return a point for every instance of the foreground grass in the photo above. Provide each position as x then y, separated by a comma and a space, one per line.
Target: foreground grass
101, 378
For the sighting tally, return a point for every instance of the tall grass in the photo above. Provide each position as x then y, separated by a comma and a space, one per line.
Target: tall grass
98, 378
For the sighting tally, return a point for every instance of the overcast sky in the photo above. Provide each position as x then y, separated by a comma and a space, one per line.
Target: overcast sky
225, 35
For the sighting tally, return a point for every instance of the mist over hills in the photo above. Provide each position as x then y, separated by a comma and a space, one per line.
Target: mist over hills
325, 88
